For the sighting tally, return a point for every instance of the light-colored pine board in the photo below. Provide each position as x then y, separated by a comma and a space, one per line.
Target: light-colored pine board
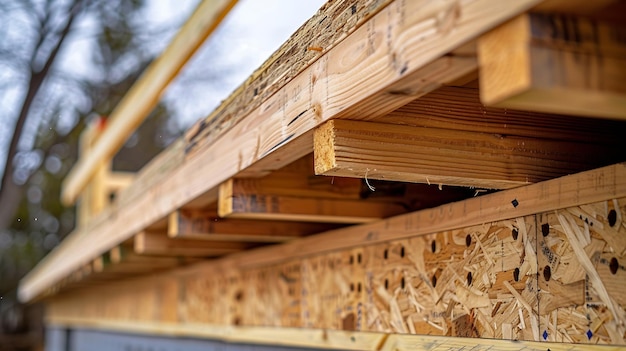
207, 225
555, 64
441, 343
430, 155
235, 203
145, 93
159, 244
459, 108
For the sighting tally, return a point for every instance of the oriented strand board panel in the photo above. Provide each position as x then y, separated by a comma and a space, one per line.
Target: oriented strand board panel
547, 277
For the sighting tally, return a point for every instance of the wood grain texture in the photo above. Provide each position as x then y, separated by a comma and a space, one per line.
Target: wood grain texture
568, 65
159, 244
440, 156
326, 28
207, 225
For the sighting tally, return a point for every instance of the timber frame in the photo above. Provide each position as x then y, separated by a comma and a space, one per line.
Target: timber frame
399, 175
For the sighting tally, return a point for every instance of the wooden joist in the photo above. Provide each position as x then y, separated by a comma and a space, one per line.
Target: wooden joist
207, 225
236, 202
549, 63
159, 244
460, 108
440, 156
294, 193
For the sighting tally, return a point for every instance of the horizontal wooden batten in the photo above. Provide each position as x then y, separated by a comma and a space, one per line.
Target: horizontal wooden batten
460, 108
207, 225
557, 64
159, 244
236, 202
439, 156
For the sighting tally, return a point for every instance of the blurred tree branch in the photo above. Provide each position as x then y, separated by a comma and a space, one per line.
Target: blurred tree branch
10, 192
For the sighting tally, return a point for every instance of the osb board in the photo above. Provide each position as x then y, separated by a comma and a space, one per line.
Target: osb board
555, 276
581, 274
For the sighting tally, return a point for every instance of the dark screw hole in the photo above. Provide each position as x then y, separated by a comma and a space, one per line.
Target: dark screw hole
545, 229
614, 265
469, 278
433, 246
239, 296
386, 284
515, 233
612, 217
516, 274
468, 240
386, 254
358, 258
351, 286
237, 321
434, 281
351, 259
358, 287
547, 273
402, 283
402, 251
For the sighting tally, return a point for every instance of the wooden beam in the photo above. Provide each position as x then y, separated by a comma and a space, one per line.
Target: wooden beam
315, 338
207, 225
294, 193
556, 64
145, 93
156, 243
236, 201
117, 181
449, 157
460, 108
121, 260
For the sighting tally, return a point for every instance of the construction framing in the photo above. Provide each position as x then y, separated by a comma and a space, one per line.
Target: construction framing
352, 189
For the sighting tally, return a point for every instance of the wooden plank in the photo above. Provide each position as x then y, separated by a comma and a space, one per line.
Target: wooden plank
237, 202
117, 181
157, 243
207, 225
442, 343
336, 89
439, 156
294, 337
555, 64
459, 108
145, 93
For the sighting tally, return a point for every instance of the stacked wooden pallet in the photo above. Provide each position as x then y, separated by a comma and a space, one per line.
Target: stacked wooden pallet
366, 164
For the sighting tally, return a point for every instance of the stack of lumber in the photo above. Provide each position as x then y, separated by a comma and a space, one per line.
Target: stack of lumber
396, 172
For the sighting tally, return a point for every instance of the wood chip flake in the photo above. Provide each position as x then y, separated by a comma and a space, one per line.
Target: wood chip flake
594, 277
